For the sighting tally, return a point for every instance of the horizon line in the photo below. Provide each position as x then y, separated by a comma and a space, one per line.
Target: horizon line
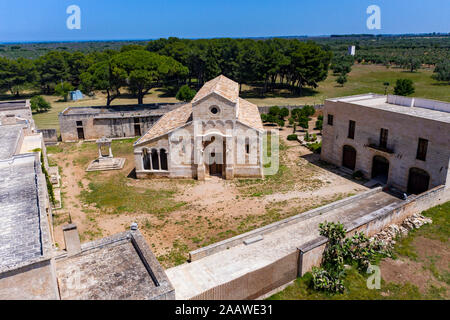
349, 35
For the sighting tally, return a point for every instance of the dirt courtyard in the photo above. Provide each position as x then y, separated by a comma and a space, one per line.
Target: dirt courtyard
177, 216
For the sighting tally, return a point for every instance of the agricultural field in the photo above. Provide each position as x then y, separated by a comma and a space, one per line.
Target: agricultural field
177, 216
419, 268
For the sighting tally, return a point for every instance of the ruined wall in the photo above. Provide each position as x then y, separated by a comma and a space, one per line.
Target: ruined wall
95, 128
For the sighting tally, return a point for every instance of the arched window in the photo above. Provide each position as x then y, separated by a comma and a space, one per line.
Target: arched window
155, 159
146, 159
163, 158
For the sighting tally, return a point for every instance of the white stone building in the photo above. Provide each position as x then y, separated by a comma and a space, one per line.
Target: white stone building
218, 133
398, 141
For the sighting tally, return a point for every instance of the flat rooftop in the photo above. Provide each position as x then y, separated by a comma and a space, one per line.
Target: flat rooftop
416, 107
11, 105
122, 109
24, 235
118, 267
9, 140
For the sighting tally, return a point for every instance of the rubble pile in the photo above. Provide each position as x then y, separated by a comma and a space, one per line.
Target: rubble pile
388, 235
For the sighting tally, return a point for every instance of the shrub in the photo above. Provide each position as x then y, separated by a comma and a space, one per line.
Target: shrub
404, 87
315, 147
62, 89
292, 137
185, 93
284, 112
39, 104
357, 250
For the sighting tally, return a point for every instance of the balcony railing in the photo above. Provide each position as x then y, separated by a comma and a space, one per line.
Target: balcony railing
373, 144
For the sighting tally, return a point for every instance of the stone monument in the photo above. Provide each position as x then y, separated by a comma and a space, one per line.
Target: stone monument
105, 162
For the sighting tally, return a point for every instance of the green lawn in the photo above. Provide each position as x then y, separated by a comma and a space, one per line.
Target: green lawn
362, 79
355, 282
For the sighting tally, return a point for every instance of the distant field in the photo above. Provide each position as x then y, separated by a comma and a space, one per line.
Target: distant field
362, 79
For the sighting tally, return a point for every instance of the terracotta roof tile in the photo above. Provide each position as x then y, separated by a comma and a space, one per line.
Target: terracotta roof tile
249, 114
221, 85
171, 120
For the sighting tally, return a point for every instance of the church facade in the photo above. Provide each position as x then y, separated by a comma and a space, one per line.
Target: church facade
217, 134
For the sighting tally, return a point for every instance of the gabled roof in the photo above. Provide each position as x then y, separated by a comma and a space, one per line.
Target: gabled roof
249, 114
171, 120
221, 85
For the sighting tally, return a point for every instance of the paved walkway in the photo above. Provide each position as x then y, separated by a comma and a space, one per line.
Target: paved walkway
191, 279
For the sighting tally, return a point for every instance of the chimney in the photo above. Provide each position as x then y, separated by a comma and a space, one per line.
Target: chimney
71, 239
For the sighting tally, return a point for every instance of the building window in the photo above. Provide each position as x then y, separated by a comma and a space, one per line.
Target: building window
247, 145
155, 159
330, 119
163, 158
214, 110
351, 129
383, 138
79, 123
146, 159
422, 149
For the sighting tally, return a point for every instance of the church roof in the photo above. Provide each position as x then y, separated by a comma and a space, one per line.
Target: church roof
171, 120
221, 85
248, 112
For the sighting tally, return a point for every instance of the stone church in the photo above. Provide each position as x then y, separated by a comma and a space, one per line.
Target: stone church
217, 134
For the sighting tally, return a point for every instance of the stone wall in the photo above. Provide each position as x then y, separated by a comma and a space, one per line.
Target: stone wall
237, 240
310, 254
256, 283
50, 136
111, 122
282, 271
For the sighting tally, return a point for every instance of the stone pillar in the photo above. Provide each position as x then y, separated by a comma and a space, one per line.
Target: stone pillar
110, 152
159, 159
229, 156
150, 158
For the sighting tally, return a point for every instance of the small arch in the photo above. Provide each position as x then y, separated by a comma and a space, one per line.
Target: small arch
155, 159
349, 157
418, 181
163, 158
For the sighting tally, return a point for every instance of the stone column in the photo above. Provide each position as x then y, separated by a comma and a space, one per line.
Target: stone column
159, 159
229, 156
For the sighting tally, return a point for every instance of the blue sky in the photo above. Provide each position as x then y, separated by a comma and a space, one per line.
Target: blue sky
45, 20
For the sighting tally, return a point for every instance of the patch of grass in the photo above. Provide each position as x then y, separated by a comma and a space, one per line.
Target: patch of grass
176, 256
438, 230
54, 149
356, 289
114, 195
